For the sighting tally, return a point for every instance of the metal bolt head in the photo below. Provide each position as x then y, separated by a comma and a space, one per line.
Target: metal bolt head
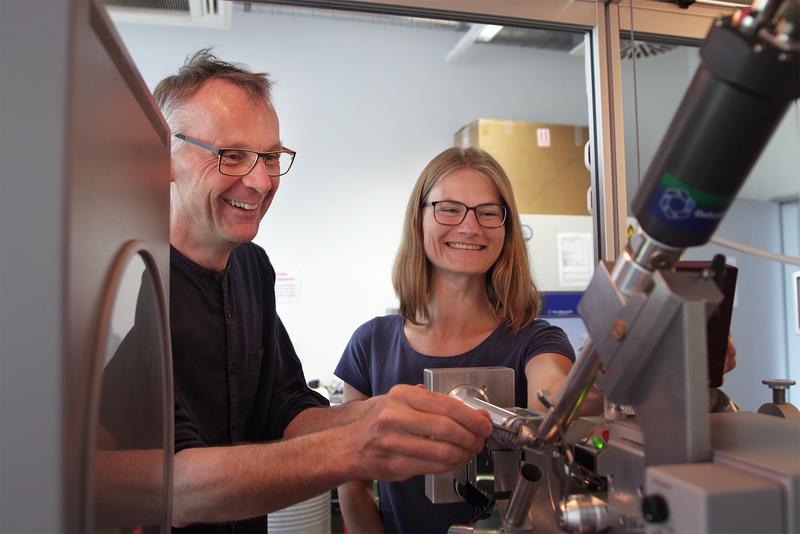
778, 383
660, 261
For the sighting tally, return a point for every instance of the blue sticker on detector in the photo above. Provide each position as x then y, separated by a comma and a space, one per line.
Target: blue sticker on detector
685, 208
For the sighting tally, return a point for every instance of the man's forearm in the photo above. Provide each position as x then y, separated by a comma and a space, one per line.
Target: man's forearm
317, 419
392, 437
229, 483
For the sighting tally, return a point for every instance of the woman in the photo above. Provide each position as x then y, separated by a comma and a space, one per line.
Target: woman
466, 300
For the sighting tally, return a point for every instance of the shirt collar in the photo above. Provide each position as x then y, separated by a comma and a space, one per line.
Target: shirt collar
187, 265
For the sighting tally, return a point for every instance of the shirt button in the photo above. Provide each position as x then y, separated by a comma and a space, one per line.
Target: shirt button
228, 313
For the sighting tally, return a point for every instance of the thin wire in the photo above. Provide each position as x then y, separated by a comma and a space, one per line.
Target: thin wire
550, 477
635, 101
720, 3
755, 252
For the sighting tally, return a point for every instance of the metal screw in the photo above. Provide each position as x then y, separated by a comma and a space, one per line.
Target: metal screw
619, 330
660, 261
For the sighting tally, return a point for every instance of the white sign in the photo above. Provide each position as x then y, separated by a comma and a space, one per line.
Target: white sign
287, 286
575, 263
543, 137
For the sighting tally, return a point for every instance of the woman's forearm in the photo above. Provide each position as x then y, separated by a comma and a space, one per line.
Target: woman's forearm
360, 513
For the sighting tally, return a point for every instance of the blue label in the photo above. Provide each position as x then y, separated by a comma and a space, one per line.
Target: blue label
686, 209
560, 304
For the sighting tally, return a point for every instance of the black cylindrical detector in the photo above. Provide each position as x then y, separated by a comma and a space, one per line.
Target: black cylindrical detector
737, 98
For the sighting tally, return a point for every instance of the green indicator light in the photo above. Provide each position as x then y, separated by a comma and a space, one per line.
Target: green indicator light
598, 443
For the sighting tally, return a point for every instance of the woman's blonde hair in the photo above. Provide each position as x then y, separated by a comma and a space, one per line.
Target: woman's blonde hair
509, 287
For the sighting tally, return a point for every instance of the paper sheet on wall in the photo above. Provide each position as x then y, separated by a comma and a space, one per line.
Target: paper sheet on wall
575, 263
287, 286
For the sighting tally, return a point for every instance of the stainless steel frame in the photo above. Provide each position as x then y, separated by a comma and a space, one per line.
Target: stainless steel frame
608, 172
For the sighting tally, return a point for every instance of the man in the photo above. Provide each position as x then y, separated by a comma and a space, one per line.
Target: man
238, 381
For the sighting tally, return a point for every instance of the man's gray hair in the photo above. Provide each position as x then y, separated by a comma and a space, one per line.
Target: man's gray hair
202, 66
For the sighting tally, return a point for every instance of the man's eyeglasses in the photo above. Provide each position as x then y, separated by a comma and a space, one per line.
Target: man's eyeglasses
239, 162
453, 213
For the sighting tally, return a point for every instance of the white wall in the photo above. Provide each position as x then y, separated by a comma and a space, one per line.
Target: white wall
365, 106
650, 103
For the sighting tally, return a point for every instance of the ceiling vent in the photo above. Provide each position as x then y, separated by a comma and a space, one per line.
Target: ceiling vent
195, 13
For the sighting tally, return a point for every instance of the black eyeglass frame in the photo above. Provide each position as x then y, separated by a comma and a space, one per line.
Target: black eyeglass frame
466, 211
259, 155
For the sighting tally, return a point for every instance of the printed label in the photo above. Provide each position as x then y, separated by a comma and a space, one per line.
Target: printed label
685, 208
543, 137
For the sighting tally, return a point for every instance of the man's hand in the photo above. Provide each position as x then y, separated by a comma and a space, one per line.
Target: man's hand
411, 431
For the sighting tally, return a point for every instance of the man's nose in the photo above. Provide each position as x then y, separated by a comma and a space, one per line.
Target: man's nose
259, 179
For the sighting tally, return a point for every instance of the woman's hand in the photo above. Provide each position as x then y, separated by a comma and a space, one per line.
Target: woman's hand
730, 356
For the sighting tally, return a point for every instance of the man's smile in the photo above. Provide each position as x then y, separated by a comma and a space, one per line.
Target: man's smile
241, 205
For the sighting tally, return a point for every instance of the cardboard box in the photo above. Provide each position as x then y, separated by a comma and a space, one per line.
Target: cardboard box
543, 161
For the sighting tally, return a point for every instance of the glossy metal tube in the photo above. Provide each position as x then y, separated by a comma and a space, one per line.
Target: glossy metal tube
501, 418
522, 498
579, 380
511, 430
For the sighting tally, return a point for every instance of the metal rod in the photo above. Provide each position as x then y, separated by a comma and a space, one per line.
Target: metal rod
719, 3
571, 394
764, 10
522, 498
791, 260
500, 416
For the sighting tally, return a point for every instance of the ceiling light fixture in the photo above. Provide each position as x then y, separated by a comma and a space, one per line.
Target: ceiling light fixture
487, 32
477, 33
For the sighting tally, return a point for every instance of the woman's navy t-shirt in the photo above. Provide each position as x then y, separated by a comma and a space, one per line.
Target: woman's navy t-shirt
379, 357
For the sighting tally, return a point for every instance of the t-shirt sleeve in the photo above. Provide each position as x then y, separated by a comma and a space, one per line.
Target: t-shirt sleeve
290, 393
353, 367
546, 338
